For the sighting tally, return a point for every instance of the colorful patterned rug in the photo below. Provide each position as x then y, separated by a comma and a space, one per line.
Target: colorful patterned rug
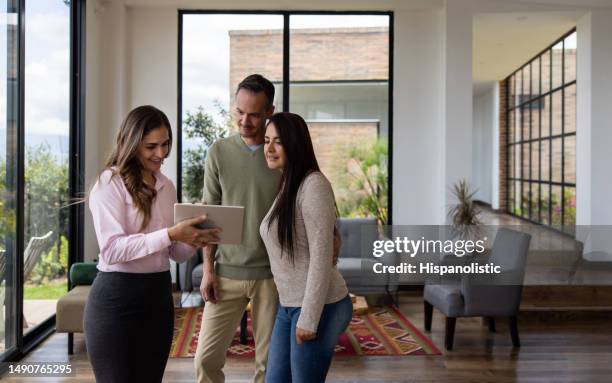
382, 331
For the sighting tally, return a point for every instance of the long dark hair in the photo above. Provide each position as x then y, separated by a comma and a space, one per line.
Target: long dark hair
300, 160
123, 161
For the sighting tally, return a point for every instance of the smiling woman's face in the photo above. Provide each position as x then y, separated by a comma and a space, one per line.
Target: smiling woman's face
153, 149
273, 149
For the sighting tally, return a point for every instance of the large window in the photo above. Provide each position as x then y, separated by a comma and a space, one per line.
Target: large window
542, 137
47, 72
218, 51
41, 107
332, 69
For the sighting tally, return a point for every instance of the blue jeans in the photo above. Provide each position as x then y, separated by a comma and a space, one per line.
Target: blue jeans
310, 361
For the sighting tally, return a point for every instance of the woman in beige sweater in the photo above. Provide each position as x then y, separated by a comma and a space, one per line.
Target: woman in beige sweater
298, 233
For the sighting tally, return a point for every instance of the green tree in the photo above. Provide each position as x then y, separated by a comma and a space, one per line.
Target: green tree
46, 193
45, 200
53, 264
7, 215
204, 131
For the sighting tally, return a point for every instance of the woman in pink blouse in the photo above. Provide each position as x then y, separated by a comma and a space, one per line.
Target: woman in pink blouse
129, 315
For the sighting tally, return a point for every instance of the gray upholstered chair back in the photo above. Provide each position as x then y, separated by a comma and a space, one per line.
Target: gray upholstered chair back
499, 295
355, 232
510, 250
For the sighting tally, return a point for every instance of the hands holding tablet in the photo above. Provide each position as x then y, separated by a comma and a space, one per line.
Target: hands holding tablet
187, 231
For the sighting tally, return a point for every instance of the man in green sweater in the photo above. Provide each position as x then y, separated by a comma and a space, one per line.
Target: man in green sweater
236, 174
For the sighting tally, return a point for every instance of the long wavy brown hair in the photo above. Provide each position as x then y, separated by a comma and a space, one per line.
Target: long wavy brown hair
299, 162
124, 162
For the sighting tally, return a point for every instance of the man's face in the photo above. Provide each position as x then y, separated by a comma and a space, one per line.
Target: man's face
251, 113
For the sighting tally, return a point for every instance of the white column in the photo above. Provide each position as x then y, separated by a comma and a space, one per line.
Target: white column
152, 34
456, 144
432, 128
417, 117
106, 89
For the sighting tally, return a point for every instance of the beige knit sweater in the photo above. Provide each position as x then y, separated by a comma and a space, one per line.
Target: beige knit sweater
311, 281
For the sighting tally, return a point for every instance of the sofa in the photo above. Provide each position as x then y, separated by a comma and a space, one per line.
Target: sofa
355, 262
71, 307
357, 236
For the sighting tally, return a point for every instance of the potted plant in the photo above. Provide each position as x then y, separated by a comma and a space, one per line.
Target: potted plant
464, 216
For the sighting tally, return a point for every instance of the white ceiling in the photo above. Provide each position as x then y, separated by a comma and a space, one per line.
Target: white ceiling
502, 42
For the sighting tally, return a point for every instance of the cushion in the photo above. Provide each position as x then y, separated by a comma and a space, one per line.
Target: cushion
446, 298
83, 273
70, 310
351, 270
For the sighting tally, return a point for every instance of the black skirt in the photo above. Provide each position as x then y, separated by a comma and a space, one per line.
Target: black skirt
128, 322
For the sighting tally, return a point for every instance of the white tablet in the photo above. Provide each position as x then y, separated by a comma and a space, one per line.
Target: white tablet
228, 218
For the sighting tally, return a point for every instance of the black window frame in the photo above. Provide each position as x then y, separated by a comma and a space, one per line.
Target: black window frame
76, 177
286, 78
511, 142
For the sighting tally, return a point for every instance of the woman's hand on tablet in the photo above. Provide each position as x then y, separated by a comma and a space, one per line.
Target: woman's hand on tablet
187, 232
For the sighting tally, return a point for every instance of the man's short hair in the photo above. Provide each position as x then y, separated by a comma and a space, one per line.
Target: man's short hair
257, 83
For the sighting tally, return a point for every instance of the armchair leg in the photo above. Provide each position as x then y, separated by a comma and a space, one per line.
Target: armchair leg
450, 333
513, 321
70, 343
394, 299
243, 329
491, 323
428, 315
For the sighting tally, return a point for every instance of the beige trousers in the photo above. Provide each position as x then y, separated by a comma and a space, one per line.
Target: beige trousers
221, 320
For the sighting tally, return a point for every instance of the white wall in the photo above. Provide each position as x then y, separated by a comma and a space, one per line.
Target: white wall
105, 93
594, 135
457, 101
594, 119
432, 127
131, 61
417, 117
483, 161
152, 64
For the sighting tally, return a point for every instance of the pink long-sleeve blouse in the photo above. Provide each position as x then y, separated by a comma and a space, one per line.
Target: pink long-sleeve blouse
123, 247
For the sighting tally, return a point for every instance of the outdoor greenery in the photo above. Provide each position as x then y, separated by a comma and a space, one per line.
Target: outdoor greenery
53, 290
202, 130
569, 201
7, 215
45, 200
362, 185
52, 265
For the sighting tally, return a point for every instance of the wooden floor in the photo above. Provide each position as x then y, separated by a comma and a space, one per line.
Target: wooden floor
555, 348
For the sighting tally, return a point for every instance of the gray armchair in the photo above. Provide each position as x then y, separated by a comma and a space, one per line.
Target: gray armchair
356, 233
478, 296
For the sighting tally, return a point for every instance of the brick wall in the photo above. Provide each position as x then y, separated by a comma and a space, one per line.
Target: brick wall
503, 148
329, 139
329, 54
255, 52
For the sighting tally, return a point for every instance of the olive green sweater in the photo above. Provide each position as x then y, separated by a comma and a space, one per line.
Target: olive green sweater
237, 176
